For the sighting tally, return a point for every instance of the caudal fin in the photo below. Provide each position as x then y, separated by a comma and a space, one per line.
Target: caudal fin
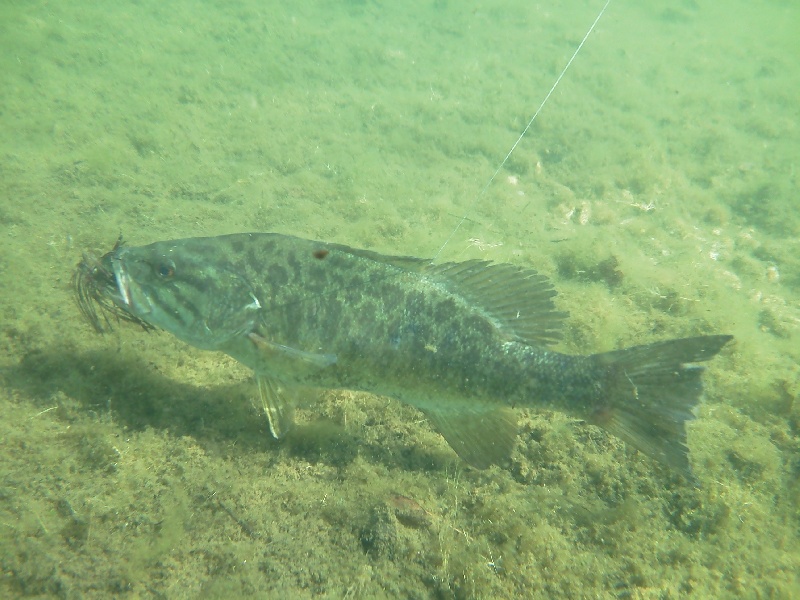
652, 392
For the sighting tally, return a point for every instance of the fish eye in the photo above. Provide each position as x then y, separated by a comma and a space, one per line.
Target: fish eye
165, 269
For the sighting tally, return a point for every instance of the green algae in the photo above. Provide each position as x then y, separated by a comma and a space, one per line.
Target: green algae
656, 189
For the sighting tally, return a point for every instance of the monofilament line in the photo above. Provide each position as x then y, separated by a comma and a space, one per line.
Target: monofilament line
474, 203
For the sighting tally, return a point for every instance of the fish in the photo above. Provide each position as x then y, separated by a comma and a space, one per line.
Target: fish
464, 342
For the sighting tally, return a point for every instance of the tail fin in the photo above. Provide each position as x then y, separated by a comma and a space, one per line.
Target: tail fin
652, 392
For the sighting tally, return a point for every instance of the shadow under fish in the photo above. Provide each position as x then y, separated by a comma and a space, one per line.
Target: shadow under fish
463, 342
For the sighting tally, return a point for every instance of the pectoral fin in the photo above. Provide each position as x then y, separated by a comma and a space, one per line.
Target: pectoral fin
481, 438
280, 357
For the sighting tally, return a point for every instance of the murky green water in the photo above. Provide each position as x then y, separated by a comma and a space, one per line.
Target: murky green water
657, 188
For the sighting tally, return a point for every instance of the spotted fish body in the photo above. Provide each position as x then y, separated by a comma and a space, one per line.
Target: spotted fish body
463, 342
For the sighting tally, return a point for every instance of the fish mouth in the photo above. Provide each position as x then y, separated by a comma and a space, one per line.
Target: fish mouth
102, 290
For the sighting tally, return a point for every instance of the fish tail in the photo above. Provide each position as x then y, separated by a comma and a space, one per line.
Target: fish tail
652, 392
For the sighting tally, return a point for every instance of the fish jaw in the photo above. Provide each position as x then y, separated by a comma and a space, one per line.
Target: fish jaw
123, 284
152, 287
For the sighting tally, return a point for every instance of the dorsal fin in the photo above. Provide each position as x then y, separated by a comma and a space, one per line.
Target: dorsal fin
518, 300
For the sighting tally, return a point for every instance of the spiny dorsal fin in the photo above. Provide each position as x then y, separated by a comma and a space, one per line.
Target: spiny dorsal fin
406, 263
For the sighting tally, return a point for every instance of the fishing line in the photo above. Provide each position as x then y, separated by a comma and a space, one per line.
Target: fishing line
480, 195
83, 279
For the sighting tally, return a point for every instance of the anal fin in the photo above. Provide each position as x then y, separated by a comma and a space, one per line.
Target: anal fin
480, 437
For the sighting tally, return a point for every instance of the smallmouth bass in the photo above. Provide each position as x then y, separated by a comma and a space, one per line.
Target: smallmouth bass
462, 342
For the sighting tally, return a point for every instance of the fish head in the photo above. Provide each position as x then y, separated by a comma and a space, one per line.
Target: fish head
178, 286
